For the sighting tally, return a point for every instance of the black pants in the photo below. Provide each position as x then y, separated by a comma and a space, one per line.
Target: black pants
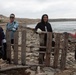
12, 42
41, 55
3, 51
4, 54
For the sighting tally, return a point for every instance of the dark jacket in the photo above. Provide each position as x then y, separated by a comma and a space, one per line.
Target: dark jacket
2, 36
42, 25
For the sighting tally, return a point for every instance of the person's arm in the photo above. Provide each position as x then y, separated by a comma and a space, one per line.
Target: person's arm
2, 32
3, 35
15, 27
8, 27
37, 26
51, 30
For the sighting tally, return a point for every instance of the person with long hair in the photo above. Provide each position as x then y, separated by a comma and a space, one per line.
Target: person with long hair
44, 25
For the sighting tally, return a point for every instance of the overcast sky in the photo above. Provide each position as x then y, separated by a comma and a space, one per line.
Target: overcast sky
35, 8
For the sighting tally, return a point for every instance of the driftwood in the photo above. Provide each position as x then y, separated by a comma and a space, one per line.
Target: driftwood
13, 68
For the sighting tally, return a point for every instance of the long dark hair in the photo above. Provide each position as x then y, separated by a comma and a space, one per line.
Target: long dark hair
43, 17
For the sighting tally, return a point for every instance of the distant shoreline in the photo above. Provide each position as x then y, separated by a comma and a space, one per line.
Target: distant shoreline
61, 20
29, 21
34, 21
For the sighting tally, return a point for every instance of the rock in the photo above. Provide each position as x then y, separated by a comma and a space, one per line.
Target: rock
49, 70
32, 72
66, 72
42, 74
74, 73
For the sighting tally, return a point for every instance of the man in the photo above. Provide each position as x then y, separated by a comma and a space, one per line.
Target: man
44, 25
12, 26
2, 44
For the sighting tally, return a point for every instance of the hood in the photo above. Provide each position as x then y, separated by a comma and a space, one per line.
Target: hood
43, 17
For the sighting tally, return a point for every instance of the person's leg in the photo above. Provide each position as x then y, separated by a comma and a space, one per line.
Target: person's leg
41, 55
0, 52
4, 50
41, 58
12, 42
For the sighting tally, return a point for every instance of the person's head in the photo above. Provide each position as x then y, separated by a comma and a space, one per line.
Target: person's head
12, 17
44, 18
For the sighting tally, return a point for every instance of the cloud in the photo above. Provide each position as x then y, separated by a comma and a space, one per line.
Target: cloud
35, 8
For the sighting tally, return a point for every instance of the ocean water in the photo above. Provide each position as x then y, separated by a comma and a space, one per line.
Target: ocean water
67, 26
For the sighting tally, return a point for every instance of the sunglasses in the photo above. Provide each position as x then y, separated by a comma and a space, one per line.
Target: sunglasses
12, 17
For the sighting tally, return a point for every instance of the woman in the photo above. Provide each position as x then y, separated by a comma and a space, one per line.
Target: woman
44, 25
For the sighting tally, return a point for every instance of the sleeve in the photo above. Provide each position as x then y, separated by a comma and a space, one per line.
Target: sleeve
15, 26
2, 32
8, 27
3, 37
51, 30
37, 26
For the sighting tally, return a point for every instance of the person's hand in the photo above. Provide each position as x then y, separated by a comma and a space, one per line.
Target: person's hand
39, 31
4, 41
53, 39
13, 29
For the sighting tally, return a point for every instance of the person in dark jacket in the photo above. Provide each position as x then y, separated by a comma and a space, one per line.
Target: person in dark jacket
2, 44
44, 25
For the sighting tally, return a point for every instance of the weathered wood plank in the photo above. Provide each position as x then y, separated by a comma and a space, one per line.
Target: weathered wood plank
49, 48
23, 52
8, 38
13, 68
56, 51
64, 52
16, 48
36, 46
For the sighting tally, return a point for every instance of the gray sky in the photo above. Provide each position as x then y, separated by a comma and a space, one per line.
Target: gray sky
35, 8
